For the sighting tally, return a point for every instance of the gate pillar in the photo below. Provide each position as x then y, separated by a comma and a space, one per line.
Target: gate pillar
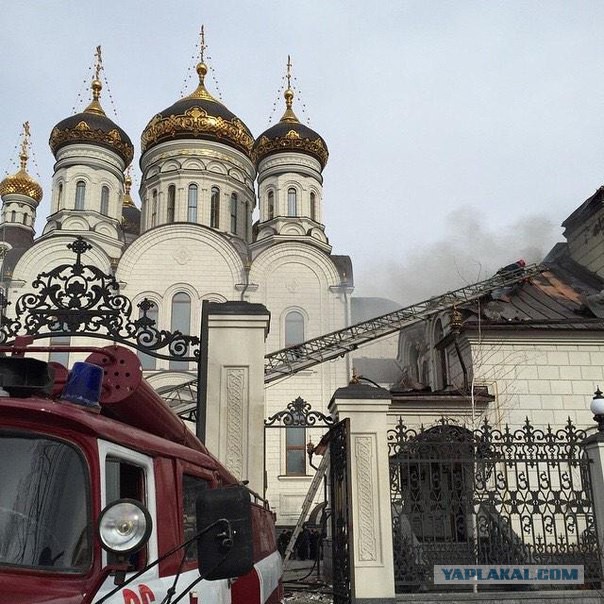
372, 567
594, 448
234, 387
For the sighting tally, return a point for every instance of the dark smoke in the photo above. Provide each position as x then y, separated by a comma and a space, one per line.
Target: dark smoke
471, 252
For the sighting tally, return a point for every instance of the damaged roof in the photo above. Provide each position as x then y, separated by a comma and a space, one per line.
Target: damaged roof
564, 296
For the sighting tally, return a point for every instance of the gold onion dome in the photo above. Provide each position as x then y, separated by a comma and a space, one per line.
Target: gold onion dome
198, 116
21, 182
290, 135
92, 126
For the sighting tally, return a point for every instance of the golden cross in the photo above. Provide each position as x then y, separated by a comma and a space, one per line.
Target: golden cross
289, 74
202, 44
99, 62
24, 144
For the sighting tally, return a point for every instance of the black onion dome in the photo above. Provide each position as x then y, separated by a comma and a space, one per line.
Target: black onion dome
94, 127
290, 135
201, 116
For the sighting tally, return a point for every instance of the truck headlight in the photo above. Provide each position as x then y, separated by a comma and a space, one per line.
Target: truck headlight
124, 526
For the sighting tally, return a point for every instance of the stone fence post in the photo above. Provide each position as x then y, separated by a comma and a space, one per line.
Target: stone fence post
234, 397
372, 572
594, 447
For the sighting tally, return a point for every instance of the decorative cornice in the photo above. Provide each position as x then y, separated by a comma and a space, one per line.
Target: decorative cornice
82, 132
196, 122
292, 141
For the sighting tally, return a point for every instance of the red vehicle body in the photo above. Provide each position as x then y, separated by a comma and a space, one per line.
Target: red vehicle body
62, 463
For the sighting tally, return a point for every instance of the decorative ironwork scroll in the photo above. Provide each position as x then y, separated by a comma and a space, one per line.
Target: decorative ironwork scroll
298, 414
489, 496
81, 300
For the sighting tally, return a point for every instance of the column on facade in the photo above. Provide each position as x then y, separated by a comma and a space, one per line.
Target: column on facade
235, 387
372, 572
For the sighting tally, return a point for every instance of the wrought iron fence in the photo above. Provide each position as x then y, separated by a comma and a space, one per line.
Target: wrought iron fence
489, 496
81, 300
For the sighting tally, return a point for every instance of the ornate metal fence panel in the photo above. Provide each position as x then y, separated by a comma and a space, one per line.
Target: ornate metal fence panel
491, 497
339, 451
81, 300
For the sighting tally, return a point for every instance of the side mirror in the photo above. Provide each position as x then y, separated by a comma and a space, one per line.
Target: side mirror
226, 549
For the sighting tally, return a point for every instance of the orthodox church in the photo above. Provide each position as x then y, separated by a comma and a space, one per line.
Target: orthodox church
202, 175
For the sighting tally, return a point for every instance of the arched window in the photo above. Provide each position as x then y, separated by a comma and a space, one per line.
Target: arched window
181, 321
80, 195
60, 196
56, 356
248, 220
154, 209
292, 202
192, 203
171, 202
234, 213
270, 206
294, 328
13, 216
440, 358
313, 206
105, 201
215, 208
147, 361
24, 218
295, 450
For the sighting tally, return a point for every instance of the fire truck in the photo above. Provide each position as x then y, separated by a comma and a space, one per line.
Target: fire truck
107, 497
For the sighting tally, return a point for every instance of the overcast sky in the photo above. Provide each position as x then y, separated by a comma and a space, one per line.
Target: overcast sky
461, 133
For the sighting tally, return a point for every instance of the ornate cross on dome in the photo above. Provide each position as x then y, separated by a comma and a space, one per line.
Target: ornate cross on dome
289, 71
98, 63
202, 45
23, 156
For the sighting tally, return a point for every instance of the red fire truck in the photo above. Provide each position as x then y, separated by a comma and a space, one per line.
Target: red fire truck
106, 495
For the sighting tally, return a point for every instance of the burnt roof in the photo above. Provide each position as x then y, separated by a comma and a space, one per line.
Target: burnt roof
564, 296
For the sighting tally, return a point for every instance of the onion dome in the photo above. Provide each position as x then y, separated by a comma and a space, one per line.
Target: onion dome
290, 135
131, 215
198, 116
92, 126
21, 182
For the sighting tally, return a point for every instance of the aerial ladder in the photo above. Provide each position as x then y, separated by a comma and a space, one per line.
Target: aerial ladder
293, 359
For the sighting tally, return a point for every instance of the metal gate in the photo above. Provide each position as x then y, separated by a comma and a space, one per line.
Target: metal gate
339, 451
489, 497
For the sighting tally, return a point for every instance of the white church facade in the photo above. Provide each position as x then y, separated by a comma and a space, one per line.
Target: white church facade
203, 175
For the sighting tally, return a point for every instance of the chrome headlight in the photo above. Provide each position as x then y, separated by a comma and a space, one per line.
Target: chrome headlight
124, 526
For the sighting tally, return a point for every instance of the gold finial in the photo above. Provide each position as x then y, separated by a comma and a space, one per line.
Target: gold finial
356, 378
289, 115
202, 69
126, 198
97, 85
23, 155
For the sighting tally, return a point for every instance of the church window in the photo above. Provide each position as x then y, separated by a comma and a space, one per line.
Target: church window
294, 328
270, 209
192, 203
181, 321
80, 195
154, 209
215, 208
234, 213
105, 201
60, 199
313, 206
13, 216
147, 361
247, 220
24, 218
58, 356
440, 357
171, 202
292, 202
295, 450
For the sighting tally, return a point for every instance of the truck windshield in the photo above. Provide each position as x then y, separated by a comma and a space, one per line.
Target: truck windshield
44, 508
